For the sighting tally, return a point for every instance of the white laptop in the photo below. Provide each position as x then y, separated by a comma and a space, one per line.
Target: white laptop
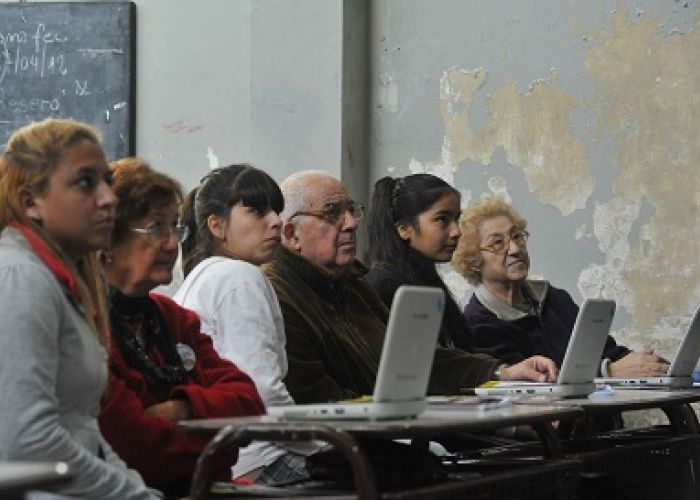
581, 360
680, 373
404, 366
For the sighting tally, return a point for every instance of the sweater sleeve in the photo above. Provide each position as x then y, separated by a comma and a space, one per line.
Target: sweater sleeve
612, 350
223, 390
250, 332
151, 445
31, 312
454, 370
502, 340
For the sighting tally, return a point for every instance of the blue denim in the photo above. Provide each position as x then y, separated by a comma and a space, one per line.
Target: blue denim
288, 469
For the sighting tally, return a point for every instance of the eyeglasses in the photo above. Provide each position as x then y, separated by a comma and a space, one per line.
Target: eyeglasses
501, 242
159, 231
333, 211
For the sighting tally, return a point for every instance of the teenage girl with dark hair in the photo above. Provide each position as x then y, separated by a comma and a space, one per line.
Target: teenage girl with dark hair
234, 223
413, 224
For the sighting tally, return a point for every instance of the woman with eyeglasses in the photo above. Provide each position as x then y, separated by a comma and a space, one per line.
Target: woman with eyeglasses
412, 226
513, 317
163, 368
234, 223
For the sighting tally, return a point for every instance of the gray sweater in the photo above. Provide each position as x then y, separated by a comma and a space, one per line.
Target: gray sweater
53, 371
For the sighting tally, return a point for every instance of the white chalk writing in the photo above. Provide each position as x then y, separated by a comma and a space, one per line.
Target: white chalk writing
35, 52
28, 104
82, 88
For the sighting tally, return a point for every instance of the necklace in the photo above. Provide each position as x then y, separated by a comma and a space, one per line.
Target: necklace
139, 329
139, 337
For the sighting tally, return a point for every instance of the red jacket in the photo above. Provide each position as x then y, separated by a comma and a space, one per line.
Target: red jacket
216, 388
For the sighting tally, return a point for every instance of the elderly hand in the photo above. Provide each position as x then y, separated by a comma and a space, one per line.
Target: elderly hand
535, 368
172, 409
639, 363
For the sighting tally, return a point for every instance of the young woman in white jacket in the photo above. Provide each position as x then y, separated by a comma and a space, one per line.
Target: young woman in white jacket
234, 222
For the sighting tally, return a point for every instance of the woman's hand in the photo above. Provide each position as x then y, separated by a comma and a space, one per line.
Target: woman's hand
639, 363
172, 409
535, 368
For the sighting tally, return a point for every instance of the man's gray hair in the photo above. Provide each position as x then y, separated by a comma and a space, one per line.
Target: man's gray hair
295, 190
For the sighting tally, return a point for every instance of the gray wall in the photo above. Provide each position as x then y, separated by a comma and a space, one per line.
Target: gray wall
584, 114
225, 81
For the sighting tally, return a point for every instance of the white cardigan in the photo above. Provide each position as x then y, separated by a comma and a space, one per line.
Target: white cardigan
238, 308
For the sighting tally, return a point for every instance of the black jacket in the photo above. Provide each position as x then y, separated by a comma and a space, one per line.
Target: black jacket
512, 336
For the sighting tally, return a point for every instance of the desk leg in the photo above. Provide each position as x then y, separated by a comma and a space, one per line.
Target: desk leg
691, 419
362, 472
548, 438
683, 419
566, 427
206, 463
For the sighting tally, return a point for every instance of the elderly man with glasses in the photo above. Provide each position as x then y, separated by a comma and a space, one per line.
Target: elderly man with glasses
512, 317
334, 321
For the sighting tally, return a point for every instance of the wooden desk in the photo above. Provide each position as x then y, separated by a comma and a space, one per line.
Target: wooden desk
346, 436
18, 477
675, 404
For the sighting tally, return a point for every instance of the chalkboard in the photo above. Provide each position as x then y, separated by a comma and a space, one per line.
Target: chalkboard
69, 60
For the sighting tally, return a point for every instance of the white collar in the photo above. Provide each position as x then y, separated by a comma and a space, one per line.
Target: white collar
535, 289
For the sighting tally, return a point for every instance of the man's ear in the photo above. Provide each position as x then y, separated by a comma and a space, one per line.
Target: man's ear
29, 205
406, 231
289, 235
216, 227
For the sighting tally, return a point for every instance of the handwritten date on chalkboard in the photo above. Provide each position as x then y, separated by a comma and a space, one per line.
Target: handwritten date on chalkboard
69, 60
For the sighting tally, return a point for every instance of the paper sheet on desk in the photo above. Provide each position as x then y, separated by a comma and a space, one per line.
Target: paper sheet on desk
468, 403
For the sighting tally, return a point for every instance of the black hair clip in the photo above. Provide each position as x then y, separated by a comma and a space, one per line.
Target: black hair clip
210, 175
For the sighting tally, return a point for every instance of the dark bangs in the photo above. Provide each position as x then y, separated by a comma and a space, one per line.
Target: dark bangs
256, 189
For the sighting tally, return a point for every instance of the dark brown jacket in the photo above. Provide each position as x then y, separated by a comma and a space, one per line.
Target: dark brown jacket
335, 330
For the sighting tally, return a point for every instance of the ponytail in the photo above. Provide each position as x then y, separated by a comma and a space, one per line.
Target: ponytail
192, 254
384, 241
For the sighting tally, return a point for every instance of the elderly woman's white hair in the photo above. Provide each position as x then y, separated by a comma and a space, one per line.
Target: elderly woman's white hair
467, 259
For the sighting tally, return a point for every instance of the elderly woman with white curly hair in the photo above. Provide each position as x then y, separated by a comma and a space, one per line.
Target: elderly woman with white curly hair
512, 317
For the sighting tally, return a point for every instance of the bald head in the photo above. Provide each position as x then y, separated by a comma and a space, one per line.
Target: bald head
318, 222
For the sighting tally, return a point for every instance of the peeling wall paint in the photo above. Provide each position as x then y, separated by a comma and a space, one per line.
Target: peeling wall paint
388, 93
589, 117
212, 159
532, 128
648, 84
